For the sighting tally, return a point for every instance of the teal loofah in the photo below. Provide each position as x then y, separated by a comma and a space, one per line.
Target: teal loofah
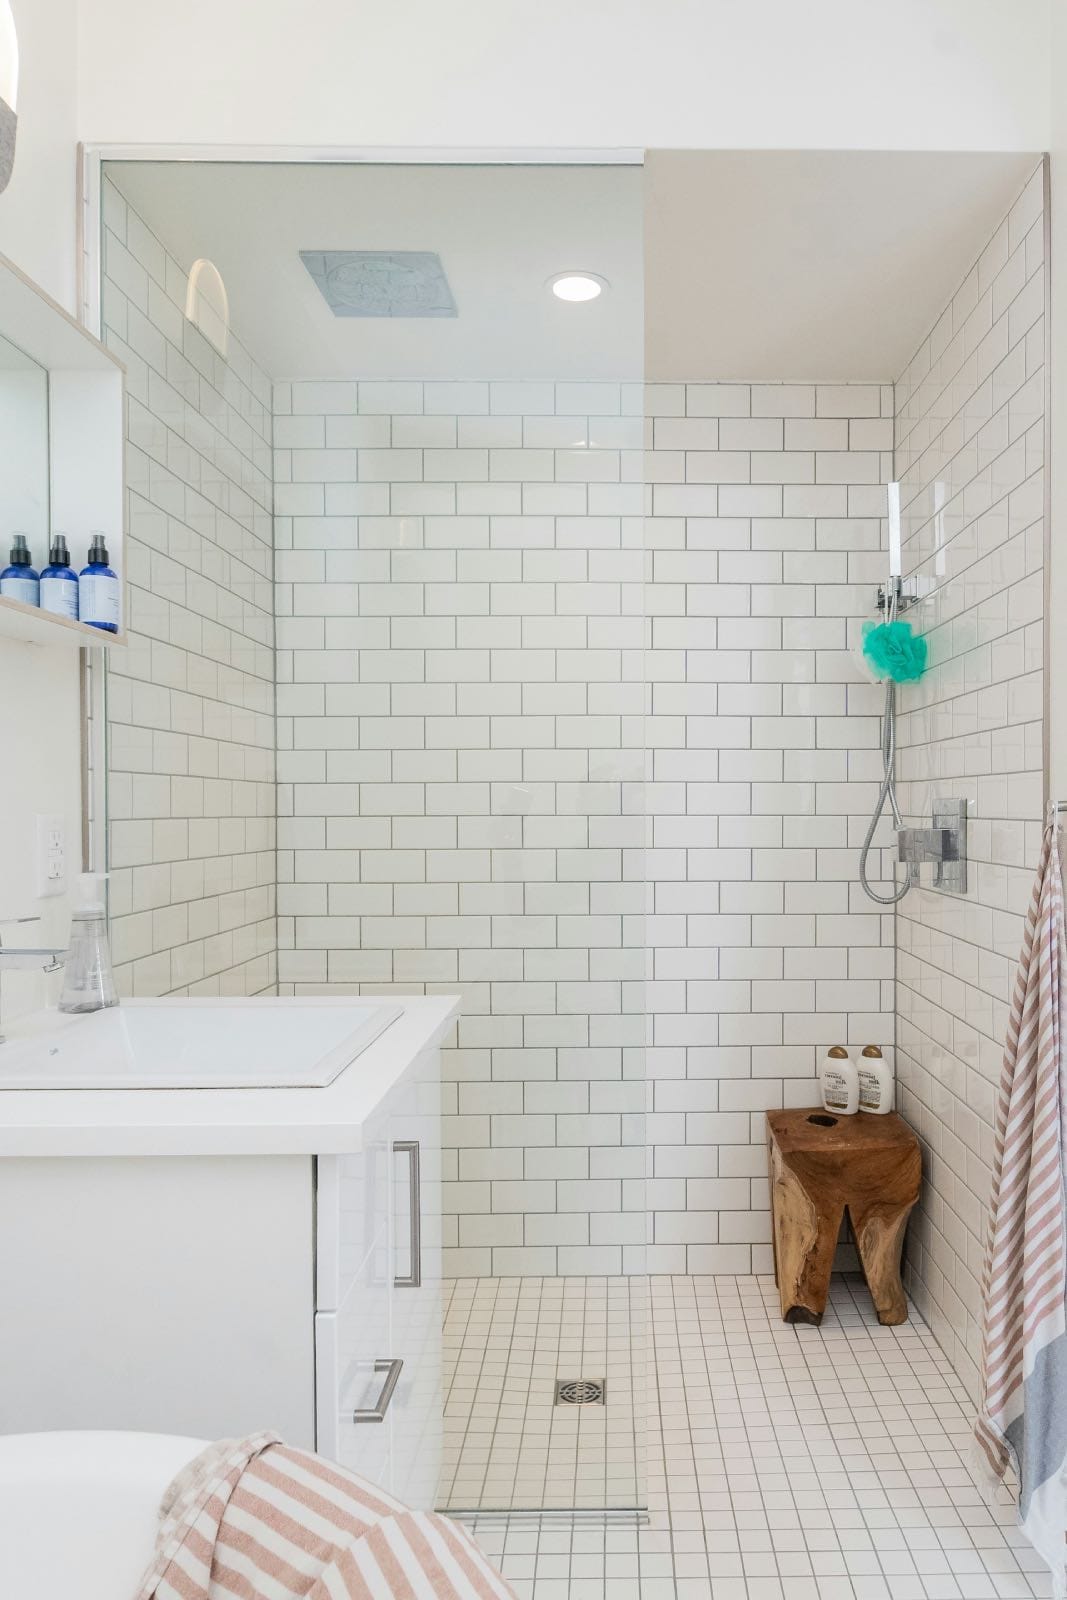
894, 651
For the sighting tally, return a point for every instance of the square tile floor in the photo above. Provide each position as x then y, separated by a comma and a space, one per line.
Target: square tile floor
507, 1444
779, 1462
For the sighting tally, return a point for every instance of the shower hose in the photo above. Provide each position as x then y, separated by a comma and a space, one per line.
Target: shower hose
888, 789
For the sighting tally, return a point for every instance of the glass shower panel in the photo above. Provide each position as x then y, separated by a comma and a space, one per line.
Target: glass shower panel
477, 715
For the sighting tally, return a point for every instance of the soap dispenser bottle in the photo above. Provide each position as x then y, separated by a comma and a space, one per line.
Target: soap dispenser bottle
19, 581
98, 589
89, 983
59, 586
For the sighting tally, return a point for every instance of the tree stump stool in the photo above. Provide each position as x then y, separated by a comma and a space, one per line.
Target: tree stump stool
821, 1165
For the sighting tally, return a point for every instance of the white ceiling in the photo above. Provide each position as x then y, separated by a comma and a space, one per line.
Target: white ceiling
500, 231
722, 264
810, 264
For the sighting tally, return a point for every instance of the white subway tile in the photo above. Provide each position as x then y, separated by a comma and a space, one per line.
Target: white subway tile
783, 400
521, 399
455, 399
389, 398
713, 399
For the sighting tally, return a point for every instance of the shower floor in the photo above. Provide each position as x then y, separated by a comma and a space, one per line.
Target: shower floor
507, 1445
783, 1463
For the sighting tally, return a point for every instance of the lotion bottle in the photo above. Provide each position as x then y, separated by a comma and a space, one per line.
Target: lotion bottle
59, 586
876, 1082
839, 1082
19, 581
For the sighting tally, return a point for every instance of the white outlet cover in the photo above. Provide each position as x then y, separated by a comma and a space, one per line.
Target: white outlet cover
51, 856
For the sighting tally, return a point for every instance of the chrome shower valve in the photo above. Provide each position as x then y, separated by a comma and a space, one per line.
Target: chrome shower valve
945, 844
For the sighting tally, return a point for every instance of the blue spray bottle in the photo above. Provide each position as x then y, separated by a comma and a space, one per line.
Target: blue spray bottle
59, 586
98, 589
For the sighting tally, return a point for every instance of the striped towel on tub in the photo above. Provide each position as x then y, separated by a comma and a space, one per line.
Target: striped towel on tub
253, 1519
1023, 1417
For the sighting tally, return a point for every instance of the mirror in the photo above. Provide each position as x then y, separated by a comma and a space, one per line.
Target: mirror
23, 452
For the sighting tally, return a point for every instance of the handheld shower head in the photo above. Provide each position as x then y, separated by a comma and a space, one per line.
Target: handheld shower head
896, 567
891, 600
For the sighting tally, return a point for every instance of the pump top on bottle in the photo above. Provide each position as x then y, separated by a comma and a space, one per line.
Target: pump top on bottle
19, 581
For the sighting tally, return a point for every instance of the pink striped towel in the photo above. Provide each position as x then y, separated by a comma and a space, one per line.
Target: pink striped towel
1023, 1417
253, 1519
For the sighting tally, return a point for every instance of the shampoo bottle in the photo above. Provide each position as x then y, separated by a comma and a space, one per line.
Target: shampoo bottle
89, 983
98, 589
876, 1082
839, 1082
19, 581
59, 586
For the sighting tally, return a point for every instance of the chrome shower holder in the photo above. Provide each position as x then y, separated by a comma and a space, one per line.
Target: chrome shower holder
894, 599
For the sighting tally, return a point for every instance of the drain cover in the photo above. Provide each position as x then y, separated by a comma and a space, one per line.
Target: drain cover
580, 1391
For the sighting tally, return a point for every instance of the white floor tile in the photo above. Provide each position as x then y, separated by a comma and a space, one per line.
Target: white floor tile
776, 1462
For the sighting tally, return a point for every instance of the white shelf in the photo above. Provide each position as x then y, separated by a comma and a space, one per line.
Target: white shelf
34, 626
86, 415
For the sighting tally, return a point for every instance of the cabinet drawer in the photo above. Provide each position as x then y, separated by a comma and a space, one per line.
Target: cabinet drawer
351, 1214
356, 1375
417, 1299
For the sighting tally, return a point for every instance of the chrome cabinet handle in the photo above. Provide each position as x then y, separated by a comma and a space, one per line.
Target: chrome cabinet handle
377, 1413
410, 1147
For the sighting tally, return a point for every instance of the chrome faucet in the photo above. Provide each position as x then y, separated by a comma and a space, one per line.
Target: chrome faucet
26, 959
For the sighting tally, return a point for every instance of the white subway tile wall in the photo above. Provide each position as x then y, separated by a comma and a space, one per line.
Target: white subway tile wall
191, 790
970, 429
592, 753
483, 651
767, 544
460, 612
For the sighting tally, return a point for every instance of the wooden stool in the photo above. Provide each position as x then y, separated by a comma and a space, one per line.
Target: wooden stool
822, 1164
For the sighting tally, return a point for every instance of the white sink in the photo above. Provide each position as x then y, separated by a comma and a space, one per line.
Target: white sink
193, 1044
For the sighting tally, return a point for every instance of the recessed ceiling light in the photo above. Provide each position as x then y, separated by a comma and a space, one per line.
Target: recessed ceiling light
577, 285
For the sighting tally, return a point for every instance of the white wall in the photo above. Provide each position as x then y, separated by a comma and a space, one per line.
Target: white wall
459, 721
460, 699
927, 74
1057, 468
766, 539
39, 720
970, 458
191, 795
39, 772
37, 208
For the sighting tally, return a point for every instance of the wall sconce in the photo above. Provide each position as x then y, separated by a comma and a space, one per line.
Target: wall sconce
207, 304
9, 83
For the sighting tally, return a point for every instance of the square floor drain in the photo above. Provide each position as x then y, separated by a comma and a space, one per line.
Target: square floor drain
580, 1391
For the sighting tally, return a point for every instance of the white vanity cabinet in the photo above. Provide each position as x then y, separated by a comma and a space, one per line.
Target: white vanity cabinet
378, 1295
216, 1262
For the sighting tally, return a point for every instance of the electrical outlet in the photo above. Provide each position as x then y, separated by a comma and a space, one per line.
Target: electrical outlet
51, 856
